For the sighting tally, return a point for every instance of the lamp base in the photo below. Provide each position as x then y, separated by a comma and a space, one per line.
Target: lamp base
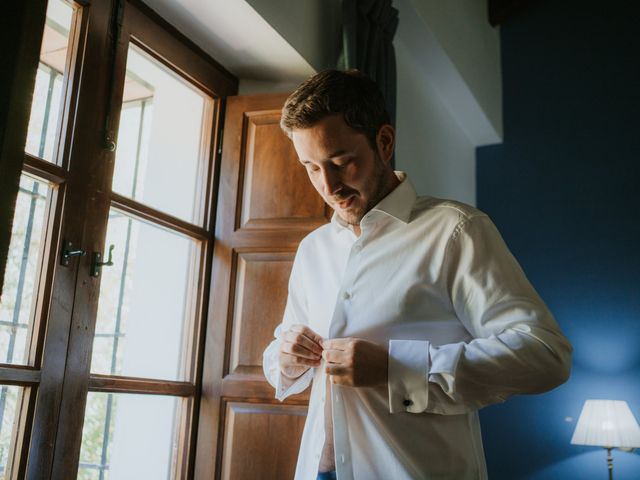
610, 462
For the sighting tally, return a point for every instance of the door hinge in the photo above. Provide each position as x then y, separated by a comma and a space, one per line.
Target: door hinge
220, 139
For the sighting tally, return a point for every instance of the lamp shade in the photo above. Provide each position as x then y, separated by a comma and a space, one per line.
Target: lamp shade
607, 423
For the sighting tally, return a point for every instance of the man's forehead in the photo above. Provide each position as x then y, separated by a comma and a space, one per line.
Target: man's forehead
316, 145
330, 125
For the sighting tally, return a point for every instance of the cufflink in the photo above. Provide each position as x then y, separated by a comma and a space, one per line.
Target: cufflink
407, 403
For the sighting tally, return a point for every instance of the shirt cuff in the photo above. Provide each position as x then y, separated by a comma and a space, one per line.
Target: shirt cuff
408, 376
286, 386
444, 362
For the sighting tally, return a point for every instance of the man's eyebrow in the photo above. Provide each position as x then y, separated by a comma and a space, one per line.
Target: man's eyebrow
336, 154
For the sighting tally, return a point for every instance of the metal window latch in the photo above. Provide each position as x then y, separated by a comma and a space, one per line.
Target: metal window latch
68, 252
97, 263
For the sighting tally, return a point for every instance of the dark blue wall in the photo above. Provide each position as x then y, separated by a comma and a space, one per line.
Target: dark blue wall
564, 190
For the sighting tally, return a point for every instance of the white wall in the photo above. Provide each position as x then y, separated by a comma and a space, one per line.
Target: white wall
238, 37
436, 66
312, 27
431, 146
462, 28
248, 86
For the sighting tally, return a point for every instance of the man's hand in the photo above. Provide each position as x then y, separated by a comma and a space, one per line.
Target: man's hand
300, 349
355, 362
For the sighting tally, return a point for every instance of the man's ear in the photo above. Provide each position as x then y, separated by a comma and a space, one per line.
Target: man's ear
385, 142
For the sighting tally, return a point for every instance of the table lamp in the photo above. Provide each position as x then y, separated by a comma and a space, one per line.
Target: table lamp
609, 424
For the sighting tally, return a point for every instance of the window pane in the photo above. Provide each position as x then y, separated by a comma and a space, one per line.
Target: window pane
46, 106
17, 305
129, 436
145, 309
161, 154
10, 399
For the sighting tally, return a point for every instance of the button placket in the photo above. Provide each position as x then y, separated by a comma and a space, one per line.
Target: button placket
350, 271
341, 436
339, 317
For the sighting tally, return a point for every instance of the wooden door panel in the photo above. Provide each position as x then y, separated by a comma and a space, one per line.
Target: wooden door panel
266, 206
261, 280
261, 441
275, 191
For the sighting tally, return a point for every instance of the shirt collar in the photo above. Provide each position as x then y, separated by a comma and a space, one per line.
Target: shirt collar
398, 203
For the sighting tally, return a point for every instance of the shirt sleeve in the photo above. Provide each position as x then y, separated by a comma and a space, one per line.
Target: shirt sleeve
517, 346
294, 314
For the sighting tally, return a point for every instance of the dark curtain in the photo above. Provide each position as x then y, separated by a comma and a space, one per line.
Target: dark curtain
368, 30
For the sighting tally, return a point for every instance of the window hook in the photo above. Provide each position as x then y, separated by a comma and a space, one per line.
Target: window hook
97, 263
68, 252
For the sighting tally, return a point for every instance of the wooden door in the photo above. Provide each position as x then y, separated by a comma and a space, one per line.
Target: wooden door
266, 205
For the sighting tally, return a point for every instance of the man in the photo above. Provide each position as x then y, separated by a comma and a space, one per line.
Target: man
408, 313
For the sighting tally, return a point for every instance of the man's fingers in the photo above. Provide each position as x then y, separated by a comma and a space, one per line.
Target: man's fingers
287, 359
337, 356
302, 344
298, 350
341, 380
339, 375
337, 370
307, 332
303, 339
337, 343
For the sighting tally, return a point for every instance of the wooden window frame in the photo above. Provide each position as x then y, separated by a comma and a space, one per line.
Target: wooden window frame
58, 379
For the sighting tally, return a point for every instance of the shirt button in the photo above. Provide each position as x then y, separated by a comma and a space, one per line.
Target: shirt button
346, 295
407, 402
357, 248
342, 458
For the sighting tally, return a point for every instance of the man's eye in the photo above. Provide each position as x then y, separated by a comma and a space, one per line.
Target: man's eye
343, 163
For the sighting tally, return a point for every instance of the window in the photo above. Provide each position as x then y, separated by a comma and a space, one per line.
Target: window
17, 309
105, 292
46, 106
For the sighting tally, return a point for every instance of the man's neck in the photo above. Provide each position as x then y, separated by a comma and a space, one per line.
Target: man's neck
391, 184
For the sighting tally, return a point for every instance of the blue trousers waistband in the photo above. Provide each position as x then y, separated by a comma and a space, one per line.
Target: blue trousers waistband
327, 475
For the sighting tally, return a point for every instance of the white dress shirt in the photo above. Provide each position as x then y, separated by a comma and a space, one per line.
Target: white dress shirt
434, 281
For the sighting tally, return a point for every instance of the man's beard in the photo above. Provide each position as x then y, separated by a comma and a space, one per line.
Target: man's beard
376, 185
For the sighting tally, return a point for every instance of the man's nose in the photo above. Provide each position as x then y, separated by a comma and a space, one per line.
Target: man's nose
330, 181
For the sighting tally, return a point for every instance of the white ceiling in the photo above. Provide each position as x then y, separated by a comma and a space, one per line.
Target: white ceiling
235, 35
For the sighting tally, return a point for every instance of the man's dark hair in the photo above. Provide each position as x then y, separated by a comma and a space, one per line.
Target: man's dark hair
350, 93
